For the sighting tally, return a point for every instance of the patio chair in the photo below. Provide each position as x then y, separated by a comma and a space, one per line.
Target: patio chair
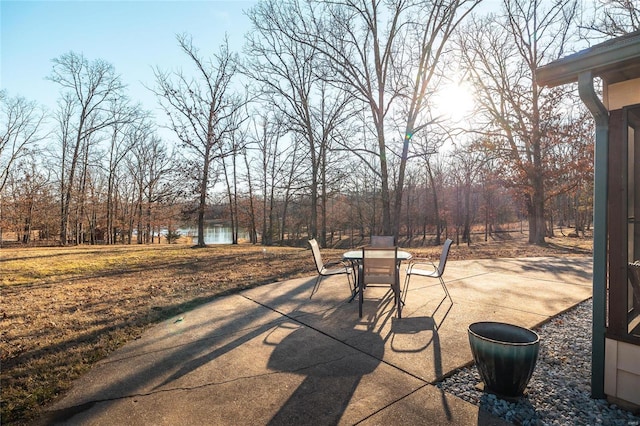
337, 267
382, 241
380, 266
426, 268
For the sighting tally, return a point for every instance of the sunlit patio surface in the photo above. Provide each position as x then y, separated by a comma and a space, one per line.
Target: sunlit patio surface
275, 355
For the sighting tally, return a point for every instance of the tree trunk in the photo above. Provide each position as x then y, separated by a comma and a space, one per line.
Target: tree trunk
434, 195
203, 199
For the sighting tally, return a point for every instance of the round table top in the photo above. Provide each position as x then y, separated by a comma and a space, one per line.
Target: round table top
357, 255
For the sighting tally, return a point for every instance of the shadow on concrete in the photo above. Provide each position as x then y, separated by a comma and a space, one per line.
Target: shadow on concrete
317, 356
329, 381
242, 325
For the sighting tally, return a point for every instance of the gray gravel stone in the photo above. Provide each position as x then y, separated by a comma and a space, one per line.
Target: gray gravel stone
559, 390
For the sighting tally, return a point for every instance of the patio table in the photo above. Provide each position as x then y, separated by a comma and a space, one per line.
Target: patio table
356, 255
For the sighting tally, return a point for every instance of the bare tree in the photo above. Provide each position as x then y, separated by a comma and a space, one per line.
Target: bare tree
469, 162
250, 210
235, 146
427, 38
28, 184
292, 182
147, 163
372, 49
20, 123
230, 173
358, 40
290, 79
130, 128
200, 110
266, 142
436, 172
614, 18
501, 55
426, 147
87, 90
159, 183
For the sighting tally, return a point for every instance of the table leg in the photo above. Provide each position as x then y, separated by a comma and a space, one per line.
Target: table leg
397, 293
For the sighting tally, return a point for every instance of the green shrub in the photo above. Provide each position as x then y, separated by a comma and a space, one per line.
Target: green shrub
172, 236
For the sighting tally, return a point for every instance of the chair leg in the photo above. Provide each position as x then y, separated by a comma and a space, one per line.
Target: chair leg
351, 279
316, 286
406, 283
445, 289
360, 294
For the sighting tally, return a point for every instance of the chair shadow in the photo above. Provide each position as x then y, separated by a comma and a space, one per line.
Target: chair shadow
415, 325
412, 326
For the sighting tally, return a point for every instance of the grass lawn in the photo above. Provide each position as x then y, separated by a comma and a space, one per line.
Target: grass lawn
63, 309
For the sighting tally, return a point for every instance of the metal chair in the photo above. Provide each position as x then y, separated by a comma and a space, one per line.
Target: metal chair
417, 267
382, 241
337, 267
380, 266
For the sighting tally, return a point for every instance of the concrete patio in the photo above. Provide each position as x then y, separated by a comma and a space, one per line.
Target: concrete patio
273, 355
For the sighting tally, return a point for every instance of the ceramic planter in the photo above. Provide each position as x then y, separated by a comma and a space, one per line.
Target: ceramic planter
505, 356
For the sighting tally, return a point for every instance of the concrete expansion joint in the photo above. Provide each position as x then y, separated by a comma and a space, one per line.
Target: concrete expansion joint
392, 403
381, 360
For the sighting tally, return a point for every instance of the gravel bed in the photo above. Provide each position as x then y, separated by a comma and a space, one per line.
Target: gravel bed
559, 390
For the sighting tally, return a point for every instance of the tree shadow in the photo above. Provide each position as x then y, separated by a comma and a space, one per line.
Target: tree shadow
331, 370
243, 326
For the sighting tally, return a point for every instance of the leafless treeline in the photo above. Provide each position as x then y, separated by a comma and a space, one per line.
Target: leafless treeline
327, 123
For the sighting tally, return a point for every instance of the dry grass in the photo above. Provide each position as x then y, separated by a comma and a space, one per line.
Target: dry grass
63, 309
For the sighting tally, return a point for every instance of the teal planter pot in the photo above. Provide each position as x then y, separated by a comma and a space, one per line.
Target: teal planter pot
505, 356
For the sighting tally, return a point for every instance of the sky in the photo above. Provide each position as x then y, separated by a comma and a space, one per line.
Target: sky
133, 36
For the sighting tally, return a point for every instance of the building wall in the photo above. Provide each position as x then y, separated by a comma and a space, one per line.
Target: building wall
622, 94
622, 359
622, 371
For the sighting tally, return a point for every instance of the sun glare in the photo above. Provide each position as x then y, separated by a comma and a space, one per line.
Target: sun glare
454, 102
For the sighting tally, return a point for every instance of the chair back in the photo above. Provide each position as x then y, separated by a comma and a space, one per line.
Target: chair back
444, 255
317, 257
379, 265
382, 241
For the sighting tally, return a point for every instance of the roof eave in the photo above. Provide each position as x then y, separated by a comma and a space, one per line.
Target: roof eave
598, 60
